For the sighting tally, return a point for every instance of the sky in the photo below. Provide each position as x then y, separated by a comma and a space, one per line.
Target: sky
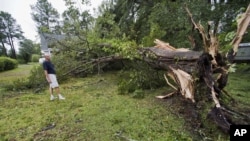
21, 11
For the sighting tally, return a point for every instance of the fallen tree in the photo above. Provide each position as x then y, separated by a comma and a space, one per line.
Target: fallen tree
194, 71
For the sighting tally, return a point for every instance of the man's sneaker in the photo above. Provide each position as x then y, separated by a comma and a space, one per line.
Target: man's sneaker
52, 97
61, 97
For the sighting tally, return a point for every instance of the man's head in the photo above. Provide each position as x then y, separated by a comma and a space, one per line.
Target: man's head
47, 56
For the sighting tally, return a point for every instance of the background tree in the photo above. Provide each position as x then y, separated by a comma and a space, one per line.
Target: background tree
142, 20
10, 31
3, 37
77, 23
106, 27
36, 48
45, 16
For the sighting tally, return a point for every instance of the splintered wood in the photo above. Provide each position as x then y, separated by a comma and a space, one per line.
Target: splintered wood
184, 82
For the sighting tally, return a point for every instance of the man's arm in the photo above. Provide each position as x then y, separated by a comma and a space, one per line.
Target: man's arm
47, 76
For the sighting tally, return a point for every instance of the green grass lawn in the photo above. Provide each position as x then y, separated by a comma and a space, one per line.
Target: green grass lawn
19, 72
92, 111
238, 85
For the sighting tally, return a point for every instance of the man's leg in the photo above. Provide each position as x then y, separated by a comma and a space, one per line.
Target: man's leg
59, 94
57, 90
55, 85
51, 93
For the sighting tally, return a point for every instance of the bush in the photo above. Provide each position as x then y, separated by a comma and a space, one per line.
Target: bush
35, 58
1, 64
36, 78
7, 64
16, 85
126, 87
140, 78
10, 64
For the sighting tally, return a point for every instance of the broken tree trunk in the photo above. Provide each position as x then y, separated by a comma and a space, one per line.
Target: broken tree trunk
208, 68
165, 55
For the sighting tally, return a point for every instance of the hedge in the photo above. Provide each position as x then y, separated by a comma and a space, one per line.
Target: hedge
7, 63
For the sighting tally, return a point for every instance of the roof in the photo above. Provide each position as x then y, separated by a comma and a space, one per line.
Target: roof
48, 38
244, 44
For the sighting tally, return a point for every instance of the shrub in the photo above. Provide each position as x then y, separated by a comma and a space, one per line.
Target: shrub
126, 87
35, 58
141, 77
10, 64
1, 64
7, 64
16, 85
36, 78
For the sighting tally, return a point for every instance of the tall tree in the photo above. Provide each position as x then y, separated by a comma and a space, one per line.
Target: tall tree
77, 24
10, 31
3, 38
106, 27
75, 21
45, 16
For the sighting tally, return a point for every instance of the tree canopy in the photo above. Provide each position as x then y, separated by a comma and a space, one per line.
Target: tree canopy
45, 16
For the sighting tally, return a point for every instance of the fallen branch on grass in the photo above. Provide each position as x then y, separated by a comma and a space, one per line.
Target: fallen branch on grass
86, 65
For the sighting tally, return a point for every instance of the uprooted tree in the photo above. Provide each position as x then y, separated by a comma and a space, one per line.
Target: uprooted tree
193, 71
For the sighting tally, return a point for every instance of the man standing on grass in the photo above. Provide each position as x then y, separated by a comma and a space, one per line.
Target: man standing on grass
50, 74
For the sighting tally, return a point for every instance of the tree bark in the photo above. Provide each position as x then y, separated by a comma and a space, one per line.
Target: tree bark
12, 48
4, 49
